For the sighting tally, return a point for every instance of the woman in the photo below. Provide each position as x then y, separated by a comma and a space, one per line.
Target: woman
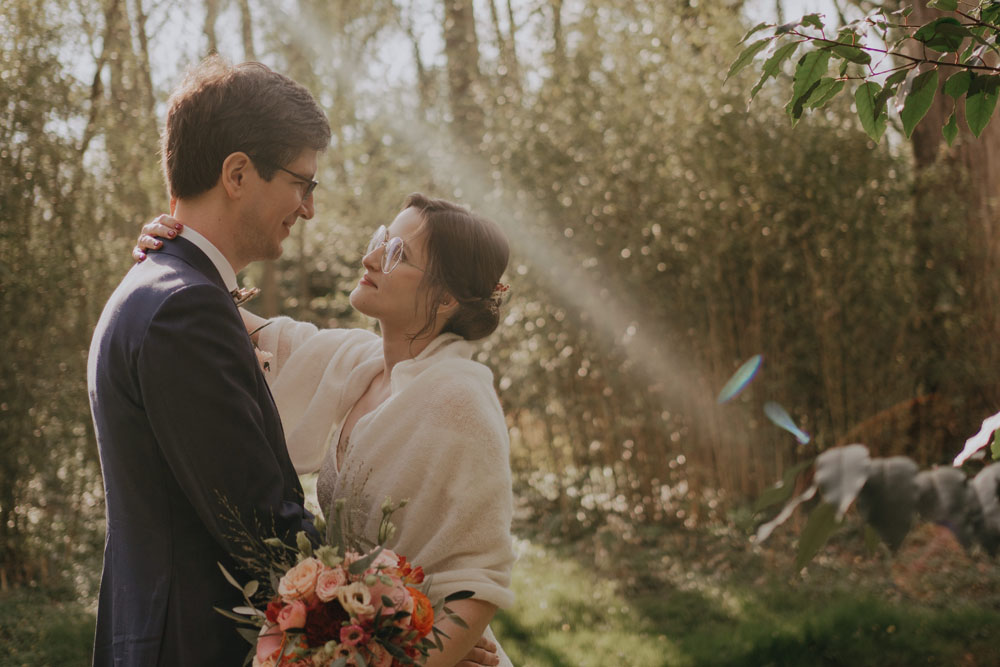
408, 414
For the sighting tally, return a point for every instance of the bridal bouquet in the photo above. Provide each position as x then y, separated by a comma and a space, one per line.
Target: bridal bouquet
339, 605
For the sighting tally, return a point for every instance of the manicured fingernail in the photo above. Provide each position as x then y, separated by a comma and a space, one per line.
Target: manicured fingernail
171, 233
159, 243
142, 256
178, 225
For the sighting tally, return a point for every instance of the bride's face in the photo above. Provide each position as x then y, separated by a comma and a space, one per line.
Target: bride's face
396, 298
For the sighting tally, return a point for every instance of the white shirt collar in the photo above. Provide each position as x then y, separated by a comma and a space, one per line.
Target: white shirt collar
222, 265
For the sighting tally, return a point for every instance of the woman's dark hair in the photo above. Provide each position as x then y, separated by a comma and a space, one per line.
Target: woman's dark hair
466, 255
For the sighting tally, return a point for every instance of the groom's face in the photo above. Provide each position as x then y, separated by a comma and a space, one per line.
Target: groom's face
272, 207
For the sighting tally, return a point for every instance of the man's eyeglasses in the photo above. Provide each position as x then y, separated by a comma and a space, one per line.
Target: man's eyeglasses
394, 249
310, 184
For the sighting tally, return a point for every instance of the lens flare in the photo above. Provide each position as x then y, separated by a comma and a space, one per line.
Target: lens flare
781, 418
740, 379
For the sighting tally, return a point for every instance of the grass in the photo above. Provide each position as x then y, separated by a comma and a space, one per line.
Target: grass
688, 610
680, 599
38, 630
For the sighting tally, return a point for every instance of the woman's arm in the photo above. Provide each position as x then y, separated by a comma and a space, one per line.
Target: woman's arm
477, 614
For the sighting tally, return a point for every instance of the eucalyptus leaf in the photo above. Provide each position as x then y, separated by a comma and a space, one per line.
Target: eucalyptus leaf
918, 101
230, 578
819, 527
251, 588
249, 634
362, 564
841, 473
888, 500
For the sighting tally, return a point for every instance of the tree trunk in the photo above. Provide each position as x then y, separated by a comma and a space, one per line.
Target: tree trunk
462, 51
211, 15
964, 176
246, 23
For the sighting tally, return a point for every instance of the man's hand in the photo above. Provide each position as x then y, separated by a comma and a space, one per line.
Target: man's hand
483, 653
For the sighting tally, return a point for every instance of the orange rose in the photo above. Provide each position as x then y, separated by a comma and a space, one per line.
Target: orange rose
423, 612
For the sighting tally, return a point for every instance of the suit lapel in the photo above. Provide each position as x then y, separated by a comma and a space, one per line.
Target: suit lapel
190, 254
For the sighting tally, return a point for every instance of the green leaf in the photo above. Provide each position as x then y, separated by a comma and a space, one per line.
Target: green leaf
810, 69
944, 35
896, 77
918, 101
812, 19
944, 5
794, 109
889, 498
873, 117
362, 564
980, 101
821, 525
852, 53
990, 13
754, 30
249, 634
773, 65
824, 92
958, 84
986, 487
746, 57
841, 472
251, 588
229, 577
781, 492
950, 129
230, 615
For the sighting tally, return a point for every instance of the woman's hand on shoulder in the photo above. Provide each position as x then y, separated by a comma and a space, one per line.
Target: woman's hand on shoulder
162, 227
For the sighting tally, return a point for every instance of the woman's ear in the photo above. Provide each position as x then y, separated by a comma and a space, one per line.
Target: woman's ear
235, 170
447, 305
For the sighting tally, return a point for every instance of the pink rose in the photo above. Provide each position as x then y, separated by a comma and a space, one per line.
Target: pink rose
351, 635
396, 592
268, 646
292, 616
299, 583
328, 583
385, 559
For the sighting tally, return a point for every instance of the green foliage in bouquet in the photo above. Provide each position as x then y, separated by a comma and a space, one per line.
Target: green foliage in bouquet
892, 58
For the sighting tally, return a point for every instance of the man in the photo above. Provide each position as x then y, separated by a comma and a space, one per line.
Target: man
187, 431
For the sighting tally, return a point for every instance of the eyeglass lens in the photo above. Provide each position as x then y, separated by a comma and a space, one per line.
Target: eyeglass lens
393, 248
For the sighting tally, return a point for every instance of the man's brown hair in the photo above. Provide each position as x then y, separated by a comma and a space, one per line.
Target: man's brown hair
220, 109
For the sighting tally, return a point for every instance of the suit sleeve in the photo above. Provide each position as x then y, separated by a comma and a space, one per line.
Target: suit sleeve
197, 374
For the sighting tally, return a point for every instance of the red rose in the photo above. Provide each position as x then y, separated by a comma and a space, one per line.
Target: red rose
273, 607
323, 622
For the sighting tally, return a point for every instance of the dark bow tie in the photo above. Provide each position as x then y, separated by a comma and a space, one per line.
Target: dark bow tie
243, 294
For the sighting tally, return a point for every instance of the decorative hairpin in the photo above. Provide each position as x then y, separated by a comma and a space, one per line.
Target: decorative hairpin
243, 294
497, 297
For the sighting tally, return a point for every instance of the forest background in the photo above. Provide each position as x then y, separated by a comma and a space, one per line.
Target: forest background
662, 234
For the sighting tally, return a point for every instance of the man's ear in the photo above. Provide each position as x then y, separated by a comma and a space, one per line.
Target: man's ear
236, 169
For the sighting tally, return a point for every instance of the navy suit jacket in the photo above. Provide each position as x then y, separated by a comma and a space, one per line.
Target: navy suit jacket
184, 420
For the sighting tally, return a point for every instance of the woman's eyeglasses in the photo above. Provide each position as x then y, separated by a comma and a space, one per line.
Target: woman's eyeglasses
394, 249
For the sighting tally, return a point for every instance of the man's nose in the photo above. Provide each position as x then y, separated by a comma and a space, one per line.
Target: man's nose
307, 209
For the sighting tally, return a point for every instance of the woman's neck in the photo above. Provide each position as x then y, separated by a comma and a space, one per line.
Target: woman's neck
397, 347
